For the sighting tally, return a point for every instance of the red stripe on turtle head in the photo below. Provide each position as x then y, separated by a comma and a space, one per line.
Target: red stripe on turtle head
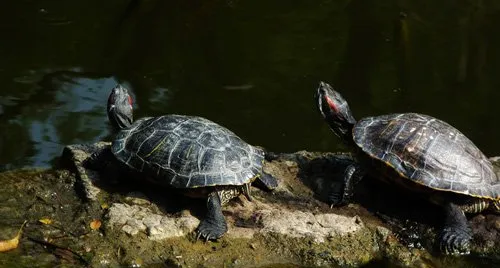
331, 104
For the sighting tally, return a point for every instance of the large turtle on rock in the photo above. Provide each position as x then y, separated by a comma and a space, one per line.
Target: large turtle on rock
420, 153
192, 154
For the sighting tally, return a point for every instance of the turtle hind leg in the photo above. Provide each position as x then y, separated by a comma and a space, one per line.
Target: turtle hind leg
456, 235
266, 182
213, 226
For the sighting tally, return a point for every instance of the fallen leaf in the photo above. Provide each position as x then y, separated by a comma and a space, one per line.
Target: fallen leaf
104, 206
95, 224
10, 244
46, 221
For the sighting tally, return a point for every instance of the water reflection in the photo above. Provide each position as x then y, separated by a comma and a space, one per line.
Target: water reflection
251, 66
66, 108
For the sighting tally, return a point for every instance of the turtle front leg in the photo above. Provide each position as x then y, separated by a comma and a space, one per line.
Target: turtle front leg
213, 226
456, 235
99, 160
342, 192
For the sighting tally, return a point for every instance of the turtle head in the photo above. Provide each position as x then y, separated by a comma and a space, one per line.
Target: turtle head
335, 110
120, 111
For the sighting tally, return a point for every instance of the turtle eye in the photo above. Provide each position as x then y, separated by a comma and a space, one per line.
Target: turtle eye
112, 98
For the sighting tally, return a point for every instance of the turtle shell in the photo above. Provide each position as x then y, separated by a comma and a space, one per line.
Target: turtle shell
429, 152
187, 152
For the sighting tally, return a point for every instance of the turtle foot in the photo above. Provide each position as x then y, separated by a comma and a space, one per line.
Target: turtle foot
209, 230
455, 241
336, 196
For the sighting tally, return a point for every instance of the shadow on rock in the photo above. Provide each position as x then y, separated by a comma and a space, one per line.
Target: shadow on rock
413, 219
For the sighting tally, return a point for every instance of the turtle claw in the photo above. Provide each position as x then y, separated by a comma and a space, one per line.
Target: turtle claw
455, 242
207, 231
202, 236
206, 236
198, 235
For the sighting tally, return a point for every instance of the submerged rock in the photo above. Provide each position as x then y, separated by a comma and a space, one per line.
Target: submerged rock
145, 224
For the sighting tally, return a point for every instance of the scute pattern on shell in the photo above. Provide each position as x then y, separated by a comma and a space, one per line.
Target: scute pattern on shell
187, 152
428, 151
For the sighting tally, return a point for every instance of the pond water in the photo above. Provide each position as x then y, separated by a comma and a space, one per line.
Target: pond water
251, 66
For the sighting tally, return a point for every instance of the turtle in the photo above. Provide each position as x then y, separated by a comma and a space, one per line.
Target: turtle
421, 153
191, 154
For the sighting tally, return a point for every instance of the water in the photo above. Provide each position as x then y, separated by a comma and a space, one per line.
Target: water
251, 66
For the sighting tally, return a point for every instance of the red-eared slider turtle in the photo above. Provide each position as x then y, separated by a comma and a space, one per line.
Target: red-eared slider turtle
421, 153
192, 154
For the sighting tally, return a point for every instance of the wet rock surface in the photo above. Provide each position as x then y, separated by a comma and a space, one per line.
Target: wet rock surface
293, 226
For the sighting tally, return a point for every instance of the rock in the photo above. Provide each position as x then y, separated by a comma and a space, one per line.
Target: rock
382, 233
74, 156
137, 198
144, 224
496, 224
300, 224
134, 219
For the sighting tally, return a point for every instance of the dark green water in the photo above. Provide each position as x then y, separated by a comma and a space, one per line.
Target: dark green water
251, 66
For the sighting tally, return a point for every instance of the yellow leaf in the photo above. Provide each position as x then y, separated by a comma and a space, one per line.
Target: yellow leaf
95, 224
104, 206
46, 221
10, 244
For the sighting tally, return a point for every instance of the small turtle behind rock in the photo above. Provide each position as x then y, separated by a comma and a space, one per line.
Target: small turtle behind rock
192, 154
